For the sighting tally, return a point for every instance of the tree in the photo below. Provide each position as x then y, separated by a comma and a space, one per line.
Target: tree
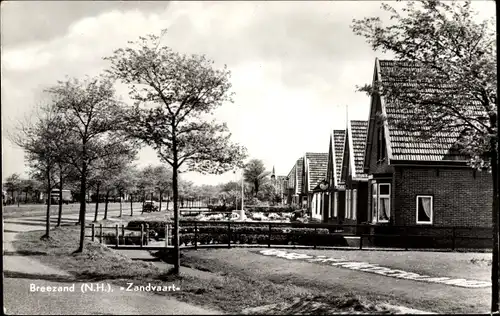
95, 121
181, 92
40, 140
255, 173
67, 173
146, 183
454, 89
163, 181
14, 185
125, 181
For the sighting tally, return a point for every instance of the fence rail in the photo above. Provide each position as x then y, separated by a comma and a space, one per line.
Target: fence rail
194, 234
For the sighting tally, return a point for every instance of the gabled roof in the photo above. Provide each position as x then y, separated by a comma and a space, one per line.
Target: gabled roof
299, 170
317, 164
357, 134
295, 176
404, 145
338, 150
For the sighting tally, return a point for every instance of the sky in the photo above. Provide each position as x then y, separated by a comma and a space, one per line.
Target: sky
294, 65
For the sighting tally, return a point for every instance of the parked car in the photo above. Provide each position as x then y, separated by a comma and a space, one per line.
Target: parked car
150, 206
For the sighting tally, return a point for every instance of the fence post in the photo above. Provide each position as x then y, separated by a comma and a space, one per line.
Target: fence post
361, 241
147, 234
100, 233
123, 234
166, 234
229, 234
117, 236
453, 238
315, 236
269, 237
406, 237
93, 231
142, 234
195, 235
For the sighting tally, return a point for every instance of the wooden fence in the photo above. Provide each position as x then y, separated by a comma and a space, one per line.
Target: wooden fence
228, 234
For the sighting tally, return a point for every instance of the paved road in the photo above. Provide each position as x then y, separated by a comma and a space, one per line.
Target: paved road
22, 273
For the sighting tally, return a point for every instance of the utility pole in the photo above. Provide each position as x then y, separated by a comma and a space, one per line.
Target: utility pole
242, 190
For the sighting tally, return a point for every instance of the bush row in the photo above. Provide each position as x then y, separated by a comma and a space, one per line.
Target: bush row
270, 209
128, 239
261, 237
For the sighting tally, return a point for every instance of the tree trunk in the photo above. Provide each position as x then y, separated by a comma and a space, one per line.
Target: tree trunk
17, 198
175, 167
143, 200
60, 199
106, 205
47, 221
131, 207
26, 197
121, 210
495, 253
96, 203
83, 205
160, 199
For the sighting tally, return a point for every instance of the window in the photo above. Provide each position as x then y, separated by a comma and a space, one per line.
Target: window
384, 202
347, 204
425, 209
335, 203
374, 202
381, 202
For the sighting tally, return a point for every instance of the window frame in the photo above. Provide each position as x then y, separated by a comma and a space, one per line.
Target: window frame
374, 200
431, 218
383, 196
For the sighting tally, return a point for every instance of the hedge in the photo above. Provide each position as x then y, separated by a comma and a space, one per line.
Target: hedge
130, 239
247, 233
270, 209
259, 235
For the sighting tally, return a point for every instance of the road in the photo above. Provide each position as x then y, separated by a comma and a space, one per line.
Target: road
22, 273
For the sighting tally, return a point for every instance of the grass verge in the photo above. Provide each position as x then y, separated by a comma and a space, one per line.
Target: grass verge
226, 290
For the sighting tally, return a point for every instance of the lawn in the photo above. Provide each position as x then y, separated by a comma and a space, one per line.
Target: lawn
228, 289
437, 298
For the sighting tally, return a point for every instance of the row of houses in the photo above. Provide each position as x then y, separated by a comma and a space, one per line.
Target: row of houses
375, 172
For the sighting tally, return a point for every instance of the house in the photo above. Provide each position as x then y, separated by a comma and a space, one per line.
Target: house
280, 186
353, 174
314, 178
419, 182
294, 194
336, 187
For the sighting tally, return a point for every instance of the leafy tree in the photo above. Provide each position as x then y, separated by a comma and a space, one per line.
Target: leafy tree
40, 140
67, 173
255, 173
125, 182
14, 185
454, 90
146, 183
163, 181
181, 91
95, 121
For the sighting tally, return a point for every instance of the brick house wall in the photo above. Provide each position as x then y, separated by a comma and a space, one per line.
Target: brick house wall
461, 196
